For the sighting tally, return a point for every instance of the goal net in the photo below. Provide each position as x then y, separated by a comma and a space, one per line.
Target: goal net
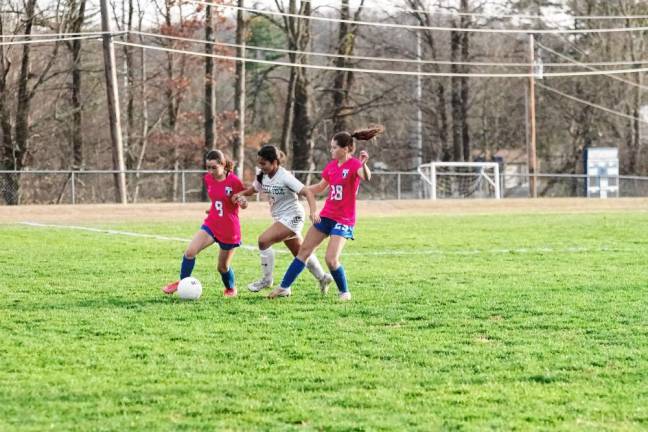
461, 179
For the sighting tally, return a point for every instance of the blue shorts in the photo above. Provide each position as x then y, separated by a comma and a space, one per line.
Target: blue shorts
224, 246
330, 227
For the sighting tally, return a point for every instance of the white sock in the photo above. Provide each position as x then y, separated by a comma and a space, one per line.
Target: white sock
314, 266
267, 263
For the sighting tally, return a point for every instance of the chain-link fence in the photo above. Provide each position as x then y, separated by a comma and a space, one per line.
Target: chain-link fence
89, 187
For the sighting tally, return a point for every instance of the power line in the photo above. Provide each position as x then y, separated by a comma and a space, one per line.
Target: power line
387, 72
600, 107
591, 68
415, 27
506, 16
51, 35
379, 59
40, 41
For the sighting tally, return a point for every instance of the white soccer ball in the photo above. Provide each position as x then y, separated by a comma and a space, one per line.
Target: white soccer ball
189, 288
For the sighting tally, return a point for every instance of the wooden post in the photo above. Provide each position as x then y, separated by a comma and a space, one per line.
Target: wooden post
533, 165
113, 106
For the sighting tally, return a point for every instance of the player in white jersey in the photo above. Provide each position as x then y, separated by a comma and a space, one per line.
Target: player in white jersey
283, 191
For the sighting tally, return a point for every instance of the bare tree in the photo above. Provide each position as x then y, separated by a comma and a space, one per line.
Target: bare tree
343, 80
16, 136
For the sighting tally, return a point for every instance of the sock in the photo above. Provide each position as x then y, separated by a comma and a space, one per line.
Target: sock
314, 266
228, 278
267, 263
340, 279
294, 269
187, 267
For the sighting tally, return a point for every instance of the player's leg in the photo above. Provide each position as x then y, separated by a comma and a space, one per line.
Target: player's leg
227, 274
312, 264
200, 241
314, 238
276, 233
333, 252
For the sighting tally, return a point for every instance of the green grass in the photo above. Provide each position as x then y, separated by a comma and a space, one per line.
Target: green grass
528, 322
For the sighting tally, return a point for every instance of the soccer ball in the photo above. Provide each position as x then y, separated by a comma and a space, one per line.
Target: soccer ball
189, 288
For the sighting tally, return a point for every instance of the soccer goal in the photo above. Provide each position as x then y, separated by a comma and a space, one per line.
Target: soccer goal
461, 179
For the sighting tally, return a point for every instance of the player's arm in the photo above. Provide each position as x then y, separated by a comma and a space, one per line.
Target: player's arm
238, 198
247, 192
312, 205
364, 172
318, 187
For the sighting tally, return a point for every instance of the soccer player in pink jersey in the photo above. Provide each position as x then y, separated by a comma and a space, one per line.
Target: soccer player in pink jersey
342, 176
221, 225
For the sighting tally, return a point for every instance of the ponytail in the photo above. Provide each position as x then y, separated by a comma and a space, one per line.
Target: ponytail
368, 133
346, 139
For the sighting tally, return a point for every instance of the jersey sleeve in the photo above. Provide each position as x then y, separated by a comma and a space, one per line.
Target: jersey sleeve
257, 186
356, 166
237, 185
293, 183
326, 173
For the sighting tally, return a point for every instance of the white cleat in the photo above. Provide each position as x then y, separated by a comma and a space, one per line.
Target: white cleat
279, 292
345, 296
324, 283
260, 284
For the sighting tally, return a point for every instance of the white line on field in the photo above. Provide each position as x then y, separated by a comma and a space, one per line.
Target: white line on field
117, 232
573, 249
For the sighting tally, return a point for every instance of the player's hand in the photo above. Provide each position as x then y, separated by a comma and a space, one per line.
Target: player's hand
314, 217
363, 156
242, 202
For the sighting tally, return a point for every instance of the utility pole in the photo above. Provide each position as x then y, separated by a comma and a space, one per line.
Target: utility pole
532, 161
419, 100
113, 106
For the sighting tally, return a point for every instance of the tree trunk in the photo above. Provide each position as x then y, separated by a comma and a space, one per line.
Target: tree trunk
129, 148
23, 105
291, 29
343, 80
238, 150
302, 123
286, 129
210, 91
172, 108
77, 119
209, 105
455, 100
465, 86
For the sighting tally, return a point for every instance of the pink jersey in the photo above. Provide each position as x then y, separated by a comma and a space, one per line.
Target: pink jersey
223, 220
344, 182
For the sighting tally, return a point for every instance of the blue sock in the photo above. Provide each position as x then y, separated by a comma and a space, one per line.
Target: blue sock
294, 269
340, 279
187, 267
228, 278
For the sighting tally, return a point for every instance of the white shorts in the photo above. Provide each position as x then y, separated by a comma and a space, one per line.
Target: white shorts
294, 222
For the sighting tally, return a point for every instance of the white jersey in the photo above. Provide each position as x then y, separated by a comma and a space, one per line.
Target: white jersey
282, 190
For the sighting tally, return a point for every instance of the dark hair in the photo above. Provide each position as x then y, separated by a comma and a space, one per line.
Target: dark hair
346, 139
219, 157
270, 153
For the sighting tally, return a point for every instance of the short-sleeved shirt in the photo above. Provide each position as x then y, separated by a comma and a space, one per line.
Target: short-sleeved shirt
344, 182
223, 219
282, 190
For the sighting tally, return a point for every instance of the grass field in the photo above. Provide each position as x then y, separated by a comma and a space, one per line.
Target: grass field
522, 322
